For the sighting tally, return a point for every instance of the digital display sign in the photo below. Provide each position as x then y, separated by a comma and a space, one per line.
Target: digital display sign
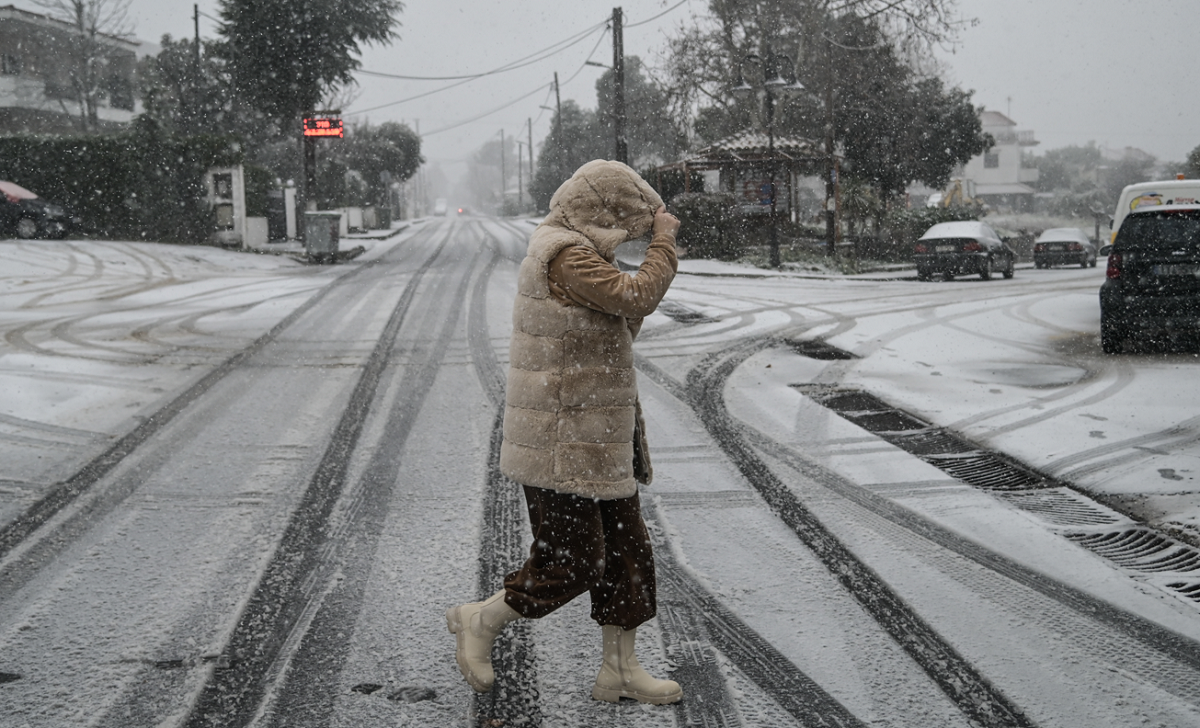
323, 126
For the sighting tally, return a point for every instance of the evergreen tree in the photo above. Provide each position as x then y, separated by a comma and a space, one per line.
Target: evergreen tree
649, 132
286, 55
575, 139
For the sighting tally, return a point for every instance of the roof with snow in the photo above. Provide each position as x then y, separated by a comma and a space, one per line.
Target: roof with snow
750, 148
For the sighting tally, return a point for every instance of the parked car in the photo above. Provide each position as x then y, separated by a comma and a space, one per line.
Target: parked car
966, 247
1152, 284
439, 207
1064, 246
24, 214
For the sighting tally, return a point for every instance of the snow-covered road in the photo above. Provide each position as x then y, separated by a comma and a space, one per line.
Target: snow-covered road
239, 490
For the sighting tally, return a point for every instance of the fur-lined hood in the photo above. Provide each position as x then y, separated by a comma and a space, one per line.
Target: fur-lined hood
606, 202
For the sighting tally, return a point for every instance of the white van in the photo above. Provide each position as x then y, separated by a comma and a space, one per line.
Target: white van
440, 207
1152, 194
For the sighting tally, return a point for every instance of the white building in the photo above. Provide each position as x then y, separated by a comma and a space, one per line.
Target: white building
1000, 179
40, 87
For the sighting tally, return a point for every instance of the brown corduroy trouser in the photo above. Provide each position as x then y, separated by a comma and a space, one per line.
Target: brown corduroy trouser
583, 544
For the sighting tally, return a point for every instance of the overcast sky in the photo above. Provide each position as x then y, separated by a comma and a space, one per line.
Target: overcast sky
1117, 72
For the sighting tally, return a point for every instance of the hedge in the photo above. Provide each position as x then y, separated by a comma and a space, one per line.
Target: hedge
139, 185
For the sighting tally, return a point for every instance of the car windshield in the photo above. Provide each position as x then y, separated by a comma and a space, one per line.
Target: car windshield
15, 192
1160, 229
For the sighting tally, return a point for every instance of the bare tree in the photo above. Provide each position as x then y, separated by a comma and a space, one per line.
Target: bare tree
89, 56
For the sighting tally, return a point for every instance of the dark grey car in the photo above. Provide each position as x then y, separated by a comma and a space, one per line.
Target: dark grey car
963, 248
1064, 246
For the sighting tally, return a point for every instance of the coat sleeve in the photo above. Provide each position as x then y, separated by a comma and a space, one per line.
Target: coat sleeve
580, 275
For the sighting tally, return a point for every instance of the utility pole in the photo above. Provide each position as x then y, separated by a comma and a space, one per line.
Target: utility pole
831, 181
529, 127
520, 176
502, 174
621, 152
196, 23
195, 115
558, 126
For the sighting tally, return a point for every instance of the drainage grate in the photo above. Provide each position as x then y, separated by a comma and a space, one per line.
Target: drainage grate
933, 441
986, 470
1187, 590
956, 456
1136, 548
1061, 507
818, 349
1141, 549
888, 421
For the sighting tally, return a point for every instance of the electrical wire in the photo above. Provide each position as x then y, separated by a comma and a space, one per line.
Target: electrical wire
467, 80
520, 98
519, 63
656, 17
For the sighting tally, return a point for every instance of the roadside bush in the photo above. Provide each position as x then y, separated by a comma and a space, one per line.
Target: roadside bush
708, 224
142, 184
904, 227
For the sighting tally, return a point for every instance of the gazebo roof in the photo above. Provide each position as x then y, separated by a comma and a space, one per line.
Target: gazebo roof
750, 148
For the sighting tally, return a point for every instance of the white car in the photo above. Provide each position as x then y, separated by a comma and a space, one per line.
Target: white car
440, 207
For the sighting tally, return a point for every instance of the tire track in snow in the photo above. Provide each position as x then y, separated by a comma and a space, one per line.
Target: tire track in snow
975, 696
237, 685
308, 682
16, 533
514, 697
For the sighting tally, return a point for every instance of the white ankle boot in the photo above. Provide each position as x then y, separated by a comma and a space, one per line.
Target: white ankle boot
475, 627
622, 677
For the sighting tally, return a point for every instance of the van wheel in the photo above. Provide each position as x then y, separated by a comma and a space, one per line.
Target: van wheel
923, 274
1012, 267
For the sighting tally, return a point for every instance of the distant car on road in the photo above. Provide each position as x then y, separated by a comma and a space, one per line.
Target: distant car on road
24, 214
964, 247
1064, 246
439, 207
1152, 284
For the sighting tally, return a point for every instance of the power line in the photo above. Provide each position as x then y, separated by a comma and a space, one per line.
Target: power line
472, 78
656, 17
519, 98
519, 63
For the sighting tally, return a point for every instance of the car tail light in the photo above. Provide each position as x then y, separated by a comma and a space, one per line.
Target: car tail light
1039, 248
921, 248
1114, 266
1075, 247
972, 246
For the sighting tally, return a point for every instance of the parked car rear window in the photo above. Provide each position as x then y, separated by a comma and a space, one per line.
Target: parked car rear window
1160, 229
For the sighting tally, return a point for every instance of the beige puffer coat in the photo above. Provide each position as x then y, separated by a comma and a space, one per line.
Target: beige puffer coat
571, 409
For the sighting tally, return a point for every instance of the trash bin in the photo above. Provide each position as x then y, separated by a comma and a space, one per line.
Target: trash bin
321, 236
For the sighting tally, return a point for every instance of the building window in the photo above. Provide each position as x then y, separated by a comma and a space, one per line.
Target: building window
991, 160
10, 65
